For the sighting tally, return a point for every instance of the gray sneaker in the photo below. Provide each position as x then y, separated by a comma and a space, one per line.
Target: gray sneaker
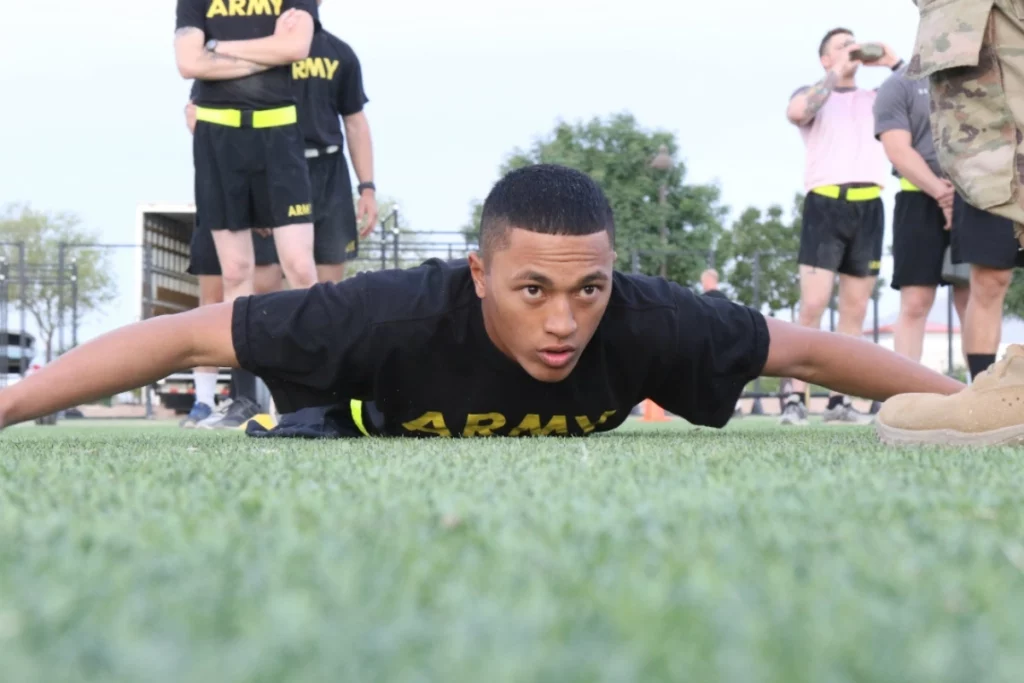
845, 413
238, 413
794, 412
216, 416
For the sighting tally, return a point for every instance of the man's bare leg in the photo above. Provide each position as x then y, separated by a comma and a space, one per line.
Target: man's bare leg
334, 272
237, 262
295, 254
816, 285
267, 279
211, 291
983, 319
915, 304
854, 297
237, 256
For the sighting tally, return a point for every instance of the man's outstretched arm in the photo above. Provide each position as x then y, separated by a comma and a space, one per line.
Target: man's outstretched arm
122, 360
848, 365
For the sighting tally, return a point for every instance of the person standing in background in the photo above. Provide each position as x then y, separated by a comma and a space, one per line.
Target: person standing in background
923, 214
329, 84
843, 214
203, 264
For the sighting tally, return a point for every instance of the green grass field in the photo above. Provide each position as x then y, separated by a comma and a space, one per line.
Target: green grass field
141, 553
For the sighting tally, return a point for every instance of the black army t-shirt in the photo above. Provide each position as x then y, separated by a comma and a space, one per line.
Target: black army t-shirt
328, 83
243, 20
413, 341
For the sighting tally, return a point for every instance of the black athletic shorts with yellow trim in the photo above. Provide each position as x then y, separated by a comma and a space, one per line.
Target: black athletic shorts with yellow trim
248, 176
982, 238
919, 240
336, 232
843, 233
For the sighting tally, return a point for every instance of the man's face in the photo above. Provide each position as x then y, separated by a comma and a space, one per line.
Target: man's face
543, 297
837, 46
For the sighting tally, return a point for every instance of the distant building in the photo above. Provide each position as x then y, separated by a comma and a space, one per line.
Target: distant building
935, 350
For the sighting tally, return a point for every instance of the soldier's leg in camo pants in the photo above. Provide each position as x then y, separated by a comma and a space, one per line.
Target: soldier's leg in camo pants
973, 55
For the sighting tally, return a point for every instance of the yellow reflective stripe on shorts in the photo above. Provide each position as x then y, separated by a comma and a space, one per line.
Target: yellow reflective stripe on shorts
853, 194
356, 406
908, 186
267, 118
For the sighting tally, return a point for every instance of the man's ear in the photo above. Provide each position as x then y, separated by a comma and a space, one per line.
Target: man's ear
477, 270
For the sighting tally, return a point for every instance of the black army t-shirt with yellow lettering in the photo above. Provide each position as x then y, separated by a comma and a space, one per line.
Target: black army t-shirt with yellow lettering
328, 83
413, 341
243, 20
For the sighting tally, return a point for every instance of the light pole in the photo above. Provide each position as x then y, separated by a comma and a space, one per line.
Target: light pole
663, 162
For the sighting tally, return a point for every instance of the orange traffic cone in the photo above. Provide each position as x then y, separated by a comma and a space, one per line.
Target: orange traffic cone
653, 412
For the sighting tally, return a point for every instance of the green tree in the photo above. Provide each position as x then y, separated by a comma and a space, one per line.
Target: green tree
1013, 306
42, 234
618, 153
773, 240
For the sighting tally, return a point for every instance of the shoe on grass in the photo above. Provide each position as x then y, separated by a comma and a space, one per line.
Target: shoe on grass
989, 412
845, 413
216, 415
237, 414
199, 412
794, 412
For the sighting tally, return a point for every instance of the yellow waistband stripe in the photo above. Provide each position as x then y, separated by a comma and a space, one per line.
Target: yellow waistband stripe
356, 406
908, 186
853, 194
267, 118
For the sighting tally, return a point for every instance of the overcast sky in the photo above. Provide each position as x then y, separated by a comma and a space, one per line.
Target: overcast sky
94, 124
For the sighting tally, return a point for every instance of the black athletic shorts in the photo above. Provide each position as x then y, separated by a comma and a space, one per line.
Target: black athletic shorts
250, 177
336, 237
984, 239
203, 253
919, 240
842, 236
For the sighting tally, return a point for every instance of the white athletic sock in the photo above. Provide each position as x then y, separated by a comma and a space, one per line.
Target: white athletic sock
206, 384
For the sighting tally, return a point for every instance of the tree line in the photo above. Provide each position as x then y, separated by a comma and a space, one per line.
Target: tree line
664, 225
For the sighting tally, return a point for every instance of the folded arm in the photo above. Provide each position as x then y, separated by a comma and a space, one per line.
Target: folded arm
122, 360
848, 365
281, 48
195, 61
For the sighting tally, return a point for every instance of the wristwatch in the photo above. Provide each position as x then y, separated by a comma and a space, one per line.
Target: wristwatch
366, 186
211, 45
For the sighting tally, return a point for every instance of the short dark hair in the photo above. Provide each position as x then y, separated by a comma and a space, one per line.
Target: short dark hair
828, 37
544, 198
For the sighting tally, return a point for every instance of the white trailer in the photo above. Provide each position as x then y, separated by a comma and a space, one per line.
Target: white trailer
162, 286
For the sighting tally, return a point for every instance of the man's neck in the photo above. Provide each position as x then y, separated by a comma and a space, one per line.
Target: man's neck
847, 83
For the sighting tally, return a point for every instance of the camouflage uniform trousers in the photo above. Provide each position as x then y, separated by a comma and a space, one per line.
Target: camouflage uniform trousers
972, 52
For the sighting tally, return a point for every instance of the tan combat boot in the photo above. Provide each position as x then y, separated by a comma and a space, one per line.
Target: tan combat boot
989, 412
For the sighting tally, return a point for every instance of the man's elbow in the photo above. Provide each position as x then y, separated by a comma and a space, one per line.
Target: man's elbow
896, 149
796, 114
301, 40
187, 67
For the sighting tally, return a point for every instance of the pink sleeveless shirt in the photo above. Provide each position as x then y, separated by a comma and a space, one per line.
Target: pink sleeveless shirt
840, 144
